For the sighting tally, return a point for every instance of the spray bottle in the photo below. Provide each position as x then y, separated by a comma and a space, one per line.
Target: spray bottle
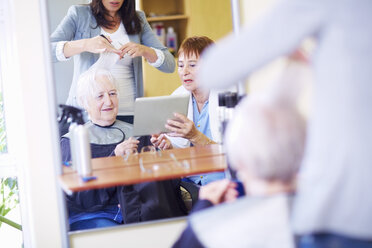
79, 141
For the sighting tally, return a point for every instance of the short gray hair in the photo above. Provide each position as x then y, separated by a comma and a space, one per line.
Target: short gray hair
267, 138
87, 85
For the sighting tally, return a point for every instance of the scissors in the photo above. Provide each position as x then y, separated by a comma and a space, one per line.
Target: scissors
104, 37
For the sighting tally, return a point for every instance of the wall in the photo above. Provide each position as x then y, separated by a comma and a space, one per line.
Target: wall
62, 70
261, 79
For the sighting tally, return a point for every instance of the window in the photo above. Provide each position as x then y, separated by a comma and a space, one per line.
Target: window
10, 228
3, 147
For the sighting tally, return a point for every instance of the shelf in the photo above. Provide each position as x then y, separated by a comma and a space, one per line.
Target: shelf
167, 18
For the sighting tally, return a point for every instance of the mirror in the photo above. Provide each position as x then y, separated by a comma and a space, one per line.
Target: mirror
186, 22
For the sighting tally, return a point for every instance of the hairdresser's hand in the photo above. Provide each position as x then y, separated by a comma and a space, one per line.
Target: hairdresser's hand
161, 141
299, 55
100, 44
126, 146
181, 126
219, 191
137, 50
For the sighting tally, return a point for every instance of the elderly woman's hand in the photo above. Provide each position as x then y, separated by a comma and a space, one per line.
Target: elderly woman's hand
126, 146
137, 50
219, 191
161, 141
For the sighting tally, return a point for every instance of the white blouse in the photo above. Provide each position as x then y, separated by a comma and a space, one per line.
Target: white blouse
122, 72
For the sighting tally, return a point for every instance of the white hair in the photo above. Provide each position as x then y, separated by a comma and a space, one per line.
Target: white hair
87, 85
267, 138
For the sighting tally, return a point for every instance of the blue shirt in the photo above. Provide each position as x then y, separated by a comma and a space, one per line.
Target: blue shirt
201, 121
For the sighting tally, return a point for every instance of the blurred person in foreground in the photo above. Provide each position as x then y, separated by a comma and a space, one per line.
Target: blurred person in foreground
333, 203
265, 143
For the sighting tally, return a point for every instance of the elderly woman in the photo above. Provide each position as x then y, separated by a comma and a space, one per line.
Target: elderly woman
200, 127
265, 143
97, 94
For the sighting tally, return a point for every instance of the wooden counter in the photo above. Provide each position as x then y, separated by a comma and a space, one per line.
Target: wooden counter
114, 171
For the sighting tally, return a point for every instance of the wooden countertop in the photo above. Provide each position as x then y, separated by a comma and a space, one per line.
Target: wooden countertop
114, 171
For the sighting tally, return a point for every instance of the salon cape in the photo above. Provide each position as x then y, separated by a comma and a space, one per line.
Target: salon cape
213, 117
248, 222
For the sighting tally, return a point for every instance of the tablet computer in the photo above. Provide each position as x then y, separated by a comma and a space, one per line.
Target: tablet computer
152, 113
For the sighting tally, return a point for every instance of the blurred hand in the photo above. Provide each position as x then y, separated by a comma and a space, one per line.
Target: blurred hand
161, 141
181, 126
219, 191
126, 146
299, 55
99, 44
137, 50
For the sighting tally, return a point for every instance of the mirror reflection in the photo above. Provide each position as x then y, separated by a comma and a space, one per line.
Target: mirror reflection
106, 40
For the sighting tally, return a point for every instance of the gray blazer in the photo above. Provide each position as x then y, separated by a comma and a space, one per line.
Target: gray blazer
79, 23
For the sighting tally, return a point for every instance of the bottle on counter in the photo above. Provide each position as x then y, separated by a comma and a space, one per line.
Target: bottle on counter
82, 147
171, 40
79, 141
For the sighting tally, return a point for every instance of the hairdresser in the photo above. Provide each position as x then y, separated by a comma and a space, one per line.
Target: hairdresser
110, 26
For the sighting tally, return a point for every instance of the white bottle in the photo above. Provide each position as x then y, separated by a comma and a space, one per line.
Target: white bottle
71, 131
83, 152
171, 40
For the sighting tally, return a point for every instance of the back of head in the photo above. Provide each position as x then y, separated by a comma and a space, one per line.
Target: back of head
88, 85
194, 45
266, 139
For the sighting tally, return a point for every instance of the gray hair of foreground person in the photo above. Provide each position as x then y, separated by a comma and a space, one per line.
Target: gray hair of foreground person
88, 86
266, 140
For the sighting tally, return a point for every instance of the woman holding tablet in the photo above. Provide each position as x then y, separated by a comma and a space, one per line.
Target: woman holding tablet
200, 126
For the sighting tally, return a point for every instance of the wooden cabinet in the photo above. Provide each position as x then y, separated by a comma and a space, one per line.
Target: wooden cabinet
188, 17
